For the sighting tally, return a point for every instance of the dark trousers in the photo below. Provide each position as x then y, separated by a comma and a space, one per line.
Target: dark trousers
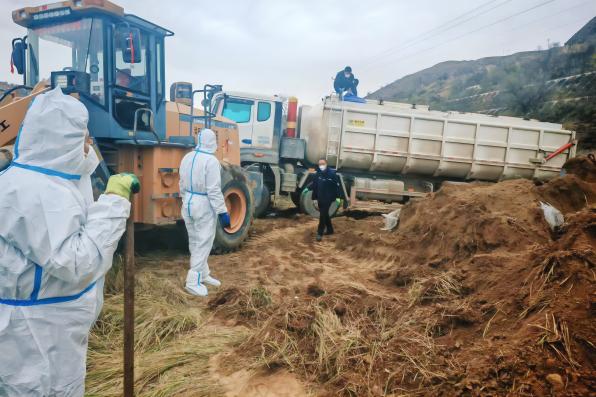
324, 219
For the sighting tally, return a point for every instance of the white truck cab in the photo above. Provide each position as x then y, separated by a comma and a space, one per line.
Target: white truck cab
264, 148
259, 119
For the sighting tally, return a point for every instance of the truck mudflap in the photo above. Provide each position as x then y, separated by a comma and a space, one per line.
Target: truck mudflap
261, 194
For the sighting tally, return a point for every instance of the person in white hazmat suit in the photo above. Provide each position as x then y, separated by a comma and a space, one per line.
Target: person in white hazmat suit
56, 245
202, 204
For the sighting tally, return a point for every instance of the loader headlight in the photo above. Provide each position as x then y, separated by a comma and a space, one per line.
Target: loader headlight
61, 81
71, 81
51, 14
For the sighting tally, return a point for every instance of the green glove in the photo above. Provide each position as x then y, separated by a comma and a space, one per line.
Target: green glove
123, 184
338, 201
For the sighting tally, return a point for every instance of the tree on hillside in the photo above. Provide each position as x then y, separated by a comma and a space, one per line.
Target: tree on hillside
524, 92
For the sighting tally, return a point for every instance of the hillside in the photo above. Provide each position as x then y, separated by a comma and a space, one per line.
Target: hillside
557, 85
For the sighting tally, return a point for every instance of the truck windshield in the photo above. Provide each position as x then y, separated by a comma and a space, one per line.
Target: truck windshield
238, 110
77, 46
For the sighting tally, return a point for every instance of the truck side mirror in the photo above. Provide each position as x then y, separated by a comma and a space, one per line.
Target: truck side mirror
17, 57
128, 40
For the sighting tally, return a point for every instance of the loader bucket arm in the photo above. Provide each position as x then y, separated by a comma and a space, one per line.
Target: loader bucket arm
12, 113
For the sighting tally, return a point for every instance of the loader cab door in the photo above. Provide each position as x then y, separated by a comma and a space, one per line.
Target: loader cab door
132, 86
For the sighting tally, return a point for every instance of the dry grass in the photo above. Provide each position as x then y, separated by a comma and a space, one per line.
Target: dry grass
357, 343
172, 347
234, 302
175, 369
537, 281
443, 286
555, 335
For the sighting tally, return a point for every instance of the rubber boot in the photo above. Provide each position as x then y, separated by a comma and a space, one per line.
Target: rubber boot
194, 284
212, 281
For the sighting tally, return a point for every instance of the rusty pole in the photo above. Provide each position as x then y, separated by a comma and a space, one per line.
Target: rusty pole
129, 308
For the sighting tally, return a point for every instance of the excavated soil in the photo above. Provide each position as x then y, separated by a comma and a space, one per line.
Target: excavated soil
472, 295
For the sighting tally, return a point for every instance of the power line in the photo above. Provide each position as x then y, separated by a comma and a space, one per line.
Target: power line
484, 27
557, 13
445, 27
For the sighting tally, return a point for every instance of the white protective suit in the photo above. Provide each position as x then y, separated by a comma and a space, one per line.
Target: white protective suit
202, 202
54, 246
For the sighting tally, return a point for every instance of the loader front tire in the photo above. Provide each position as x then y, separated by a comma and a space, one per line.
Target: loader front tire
240, 203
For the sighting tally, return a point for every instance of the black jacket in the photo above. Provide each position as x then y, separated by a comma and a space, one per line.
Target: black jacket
341, 82
326, 186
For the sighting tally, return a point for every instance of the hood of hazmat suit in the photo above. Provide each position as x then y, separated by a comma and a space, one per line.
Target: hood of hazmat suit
202, 201
55, 244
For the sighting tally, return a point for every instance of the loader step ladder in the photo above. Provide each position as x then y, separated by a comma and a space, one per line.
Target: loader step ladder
335, 126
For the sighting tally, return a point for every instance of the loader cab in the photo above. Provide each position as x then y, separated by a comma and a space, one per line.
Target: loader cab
259, 119
113, 61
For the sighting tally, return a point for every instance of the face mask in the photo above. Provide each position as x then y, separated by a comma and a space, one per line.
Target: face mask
322, 167
90, 162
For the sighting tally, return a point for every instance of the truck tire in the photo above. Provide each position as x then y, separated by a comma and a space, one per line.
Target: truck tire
309, 206
265, 202
240, 203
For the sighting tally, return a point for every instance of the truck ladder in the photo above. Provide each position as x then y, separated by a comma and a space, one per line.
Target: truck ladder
335, 125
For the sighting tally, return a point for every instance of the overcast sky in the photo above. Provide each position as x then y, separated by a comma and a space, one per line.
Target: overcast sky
296, 47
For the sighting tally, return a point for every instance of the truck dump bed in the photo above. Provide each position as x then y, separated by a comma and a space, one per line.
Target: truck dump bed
401, 138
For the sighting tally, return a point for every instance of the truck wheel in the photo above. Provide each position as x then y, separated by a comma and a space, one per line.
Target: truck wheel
263, 206
310, 207
240, 203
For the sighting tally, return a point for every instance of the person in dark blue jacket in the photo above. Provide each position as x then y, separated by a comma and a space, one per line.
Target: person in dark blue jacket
345, 82
326, 189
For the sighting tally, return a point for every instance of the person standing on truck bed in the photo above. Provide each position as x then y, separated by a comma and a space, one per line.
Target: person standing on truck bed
326, 189
345, 82
202, 204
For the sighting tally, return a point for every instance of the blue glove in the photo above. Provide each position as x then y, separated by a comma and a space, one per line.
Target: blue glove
224, 219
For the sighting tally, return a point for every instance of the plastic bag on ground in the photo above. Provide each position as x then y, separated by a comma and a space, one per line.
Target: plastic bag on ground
553, 216
391, 219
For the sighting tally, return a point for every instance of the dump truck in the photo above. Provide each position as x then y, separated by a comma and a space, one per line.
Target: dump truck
385, 150
114, 63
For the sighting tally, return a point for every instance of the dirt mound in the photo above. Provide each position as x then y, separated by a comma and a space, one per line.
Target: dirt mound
582, 166
474, 295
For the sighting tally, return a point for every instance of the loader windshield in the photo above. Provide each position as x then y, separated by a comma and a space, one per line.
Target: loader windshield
77, 46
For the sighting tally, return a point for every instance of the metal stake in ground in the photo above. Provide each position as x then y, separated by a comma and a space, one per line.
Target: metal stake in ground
129, 308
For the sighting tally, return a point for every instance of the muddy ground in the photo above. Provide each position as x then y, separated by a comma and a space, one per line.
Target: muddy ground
473, 294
